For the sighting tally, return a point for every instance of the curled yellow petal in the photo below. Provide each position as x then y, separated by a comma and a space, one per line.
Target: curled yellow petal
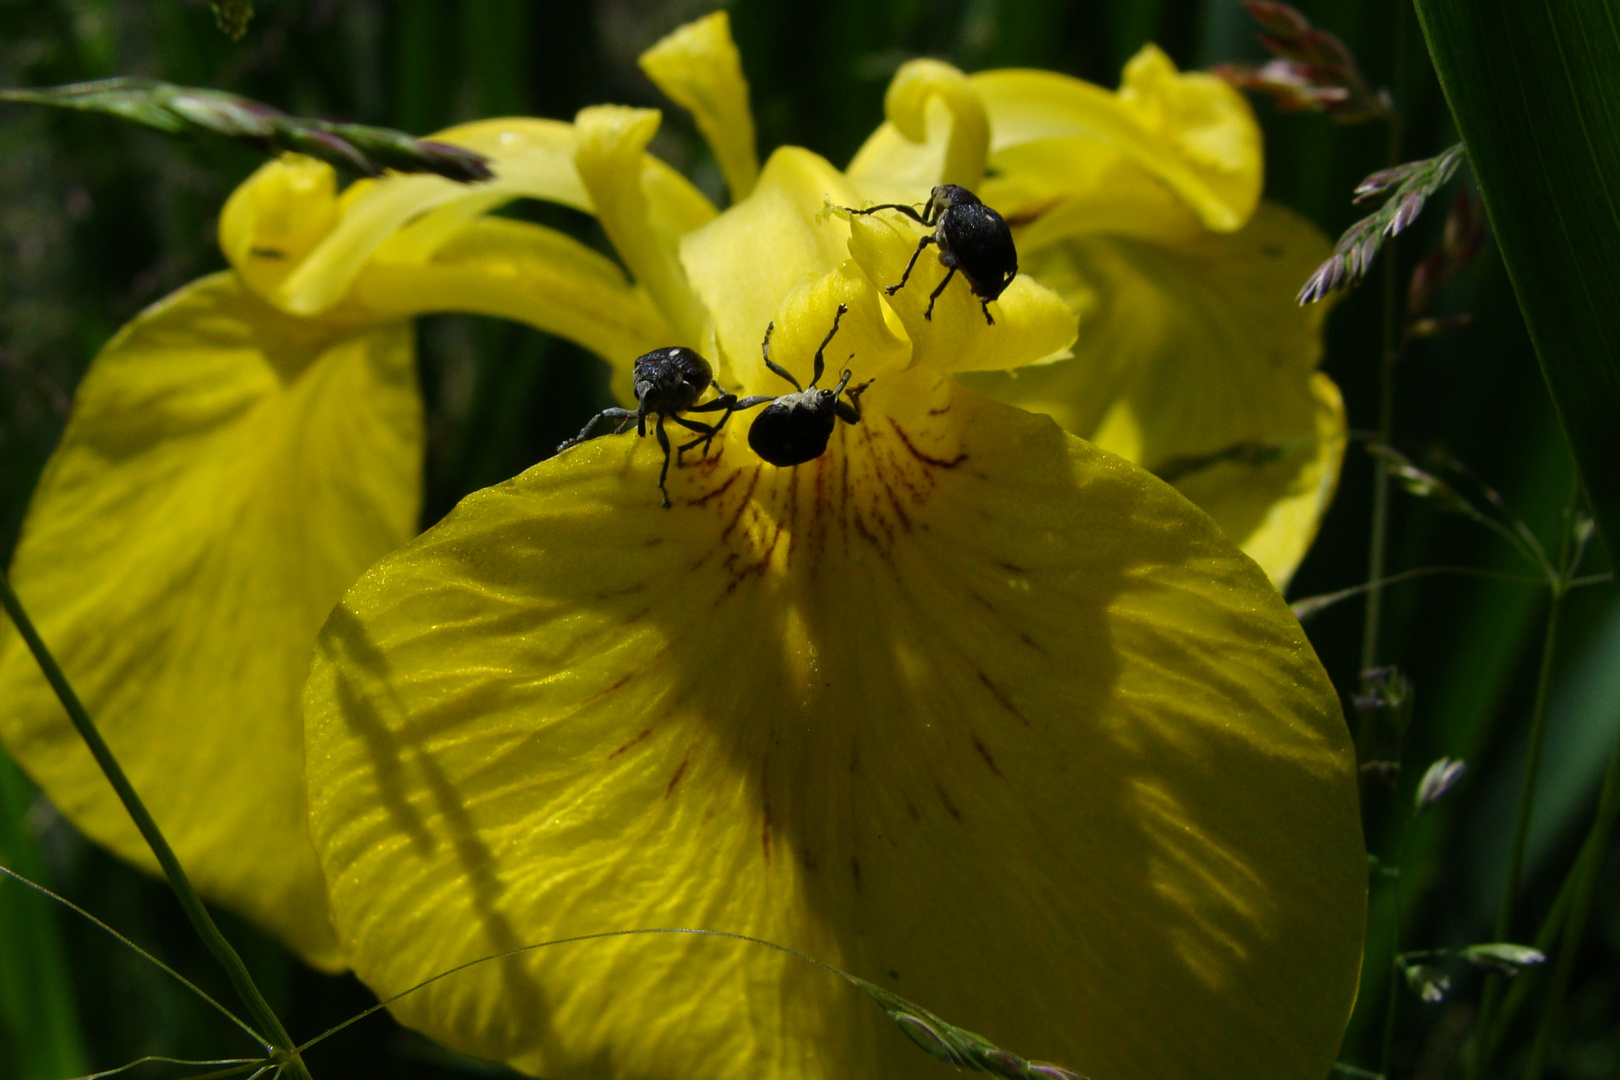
610, 140
527, 273
227, 473
699, 68
1189, 131
1032, 325
1194, 361
938, 132
1209, 124
532, 159
966, 707
1062, 187
277, 217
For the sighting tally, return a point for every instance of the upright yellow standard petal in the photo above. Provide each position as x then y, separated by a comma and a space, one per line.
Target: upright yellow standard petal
699, 68
276, 217
937, 132
781, 237
610, 144
1196, 362
965, 706
227, 473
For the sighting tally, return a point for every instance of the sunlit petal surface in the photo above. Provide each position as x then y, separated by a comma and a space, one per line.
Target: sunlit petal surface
965, 706
227, 473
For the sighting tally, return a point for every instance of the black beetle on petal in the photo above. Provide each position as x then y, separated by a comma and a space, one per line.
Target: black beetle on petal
669, 382
794, 428
971, 238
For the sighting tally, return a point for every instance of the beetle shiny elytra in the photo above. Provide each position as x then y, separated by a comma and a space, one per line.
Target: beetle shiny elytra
971, 238
794, 428
669, 382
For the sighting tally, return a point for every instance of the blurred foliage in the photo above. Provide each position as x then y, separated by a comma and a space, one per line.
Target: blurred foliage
98, 219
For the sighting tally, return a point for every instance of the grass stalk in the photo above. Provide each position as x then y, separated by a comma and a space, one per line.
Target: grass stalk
1584, 878
1503, 930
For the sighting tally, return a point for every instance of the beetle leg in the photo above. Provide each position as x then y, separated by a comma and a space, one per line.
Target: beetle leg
988, 318
909, 211
929, 314
924, 242
849, 411
585, 432
820, 366
706, 434
765, 351
663, 440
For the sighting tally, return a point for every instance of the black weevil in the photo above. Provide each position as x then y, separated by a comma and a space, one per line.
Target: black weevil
669, 382
794, 428
972, 238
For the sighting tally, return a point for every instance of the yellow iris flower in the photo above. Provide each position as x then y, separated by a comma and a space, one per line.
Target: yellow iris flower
1142, 209
966, 706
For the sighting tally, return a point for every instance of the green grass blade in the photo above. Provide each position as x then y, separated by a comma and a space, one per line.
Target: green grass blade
39, 1022
1535, 90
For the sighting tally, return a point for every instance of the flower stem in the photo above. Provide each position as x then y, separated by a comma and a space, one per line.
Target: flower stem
1584, 877
1396, 901
264, 1017
1552, 925
1503, 930
1391, 343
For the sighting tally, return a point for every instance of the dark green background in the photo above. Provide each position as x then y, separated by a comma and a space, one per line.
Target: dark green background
97, 220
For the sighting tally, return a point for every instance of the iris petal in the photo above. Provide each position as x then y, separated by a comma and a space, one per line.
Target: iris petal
227, 473
610, 145
527, 273
1191, 131
966, 706
1032, 323
937, 132
698, 67
1196, 362
781, 237
532, 159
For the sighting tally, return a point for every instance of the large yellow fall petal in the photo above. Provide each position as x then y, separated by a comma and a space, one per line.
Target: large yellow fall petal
1196, 362
227, 473
699, 68
966, 706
